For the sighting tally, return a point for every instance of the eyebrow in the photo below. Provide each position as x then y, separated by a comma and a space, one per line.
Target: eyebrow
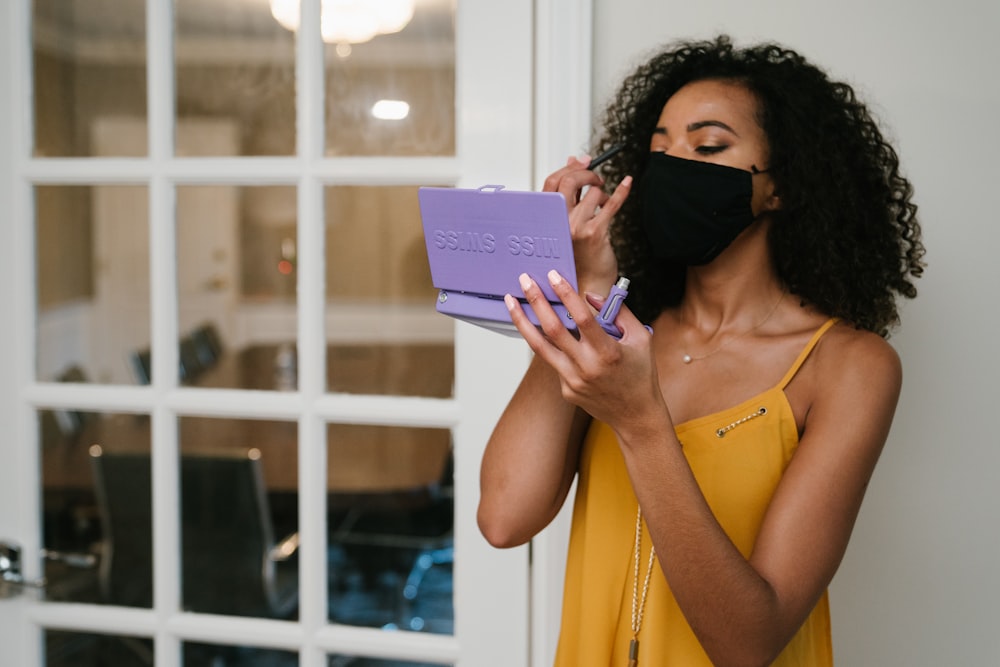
693, 127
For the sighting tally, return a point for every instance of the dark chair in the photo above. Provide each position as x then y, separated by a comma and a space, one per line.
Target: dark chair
189, 361
208, 344
194, 355
141, 362
230, 561
123, 487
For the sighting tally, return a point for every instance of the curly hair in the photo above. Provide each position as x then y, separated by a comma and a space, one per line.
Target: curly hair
845, 239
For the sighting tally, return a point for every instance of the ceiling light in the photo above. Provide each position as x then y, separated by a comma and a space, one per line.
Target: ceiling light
391, 110
349, 21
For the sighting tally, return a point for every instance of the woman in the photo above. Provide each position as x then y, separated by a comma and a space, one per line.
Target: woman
722, 458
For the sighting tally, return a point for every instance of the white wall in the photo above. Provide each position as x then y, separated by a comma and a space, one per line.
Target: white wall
920, 582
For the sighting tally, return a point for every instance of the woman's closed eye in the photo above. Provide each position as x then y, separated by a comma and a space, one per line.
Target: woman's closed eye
710, 150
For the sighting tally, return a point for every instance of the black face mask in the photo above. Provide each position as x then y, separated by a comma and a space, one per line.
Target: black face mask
692, 210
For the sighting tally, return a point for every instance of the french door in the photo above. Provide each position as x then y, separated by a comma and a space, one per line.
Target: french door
167, 176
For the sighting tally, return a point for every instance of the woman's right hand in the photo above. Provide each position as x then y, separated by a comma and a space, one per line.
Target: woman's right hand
590, 211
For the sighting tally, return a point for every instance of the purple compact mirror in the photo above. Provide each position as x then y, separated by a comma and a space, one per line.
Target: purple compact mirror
480, 240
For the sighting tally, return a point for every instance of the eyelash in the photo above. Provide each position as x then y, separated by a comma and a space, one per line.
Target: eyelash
710, 150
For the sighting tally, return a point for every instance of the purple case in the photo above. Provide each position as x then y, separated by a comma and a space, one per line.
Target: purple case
480, 240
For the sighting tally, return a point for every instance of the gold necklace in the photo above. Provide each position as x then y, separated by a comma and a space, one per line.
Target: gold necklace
687, 358
638, 603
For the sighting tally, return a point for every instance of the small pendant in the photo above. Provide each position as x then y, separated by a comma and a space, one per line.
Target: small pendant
633, 653
687, 359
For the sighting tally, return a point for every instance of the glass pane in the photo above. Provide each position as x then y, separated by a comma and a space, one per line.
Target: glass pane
383, 333
92, 245
235, 63
96, 507
239, 481
236, 272
390, 517
391, 93
216, 655
89, 63
82, 649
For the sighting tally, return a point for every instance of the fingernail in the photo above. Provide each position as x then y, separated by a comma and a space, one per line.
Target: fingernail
627, 181
554, 277
509, 301
526, 281
584, 159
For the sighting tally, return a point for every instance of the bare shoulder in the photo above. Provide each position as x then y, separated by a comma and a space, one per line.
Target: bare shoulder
857, 378
850, 355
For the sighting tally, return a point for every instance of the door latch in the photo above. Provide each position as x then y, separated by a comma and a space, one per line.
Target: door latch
12, 581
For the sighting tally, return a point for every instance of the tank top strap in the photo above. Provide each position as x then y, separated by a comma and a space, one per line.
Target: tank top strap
806, 351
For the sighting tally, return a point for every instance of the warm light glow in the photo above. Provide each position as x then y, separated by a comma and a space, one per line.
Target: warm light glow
349, 21
391, 110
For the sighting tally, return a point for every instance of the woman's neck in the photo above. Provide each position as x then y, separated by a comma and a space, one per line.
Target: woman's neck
733, 293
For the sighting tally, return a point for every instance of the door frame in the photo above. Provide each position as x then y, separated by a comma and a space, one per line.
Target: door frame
563, 127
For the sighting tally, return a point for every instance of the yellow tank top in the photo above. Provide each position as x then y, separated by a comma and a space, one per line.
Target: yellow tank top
738, 456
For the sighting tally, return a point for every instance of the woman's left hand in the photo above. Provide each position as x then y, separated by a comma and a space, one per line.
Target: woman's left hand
614, 380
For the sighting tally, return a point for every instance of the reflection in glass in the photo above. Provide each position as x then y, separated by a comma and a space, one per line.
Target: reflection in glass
85, 649
236, 274
383, 333
97, 507
88, 65
238, 491
92, 245
412, 69
235, 64
391, 511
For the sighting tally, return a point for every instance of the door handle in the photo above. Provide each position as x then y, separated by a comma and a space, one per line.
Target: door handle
12, 581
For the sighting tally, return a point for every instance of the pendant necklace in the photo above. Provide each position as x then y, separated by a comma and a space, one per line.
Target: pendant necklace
638, 601
688, 358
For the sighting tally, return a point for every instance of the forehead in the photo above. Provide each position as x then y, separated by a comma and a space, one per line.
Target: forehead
712, 99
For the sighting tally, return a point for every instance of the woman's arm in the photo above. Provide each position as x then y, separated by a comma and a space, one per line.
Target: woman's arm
530, 460
531, 457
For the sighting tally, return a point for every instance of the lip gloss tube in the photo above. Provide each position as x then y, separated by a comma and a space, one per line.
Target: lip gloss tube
616, 297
